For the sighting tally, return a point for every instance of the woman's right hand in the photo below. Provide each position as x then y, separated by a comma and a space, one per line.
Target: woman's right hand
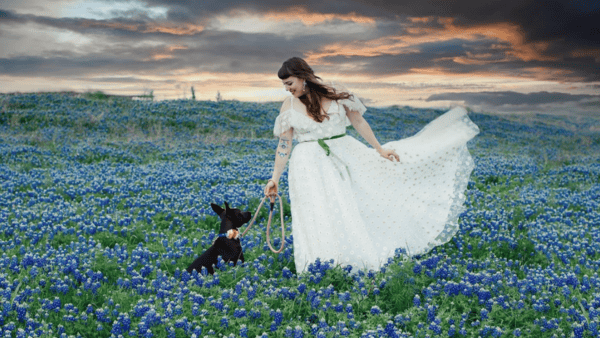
271, 190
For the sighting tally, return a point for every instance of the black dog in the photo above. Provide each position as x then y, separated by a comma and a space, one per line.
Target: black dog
227, 245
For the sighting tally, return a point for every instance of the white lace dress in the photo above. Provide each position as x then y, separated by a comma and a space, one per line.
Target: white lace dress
356, 207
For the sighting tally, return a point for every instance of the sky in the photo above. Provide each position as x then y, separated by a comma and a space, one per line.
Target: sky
496, 56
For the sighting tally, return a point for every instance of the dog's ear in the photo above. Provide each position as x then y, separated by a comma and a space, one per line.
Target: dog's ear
227, 207
217, 209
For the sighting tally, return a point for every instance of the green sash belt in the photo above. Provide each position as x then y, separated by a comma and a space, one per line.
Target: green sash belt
325, 147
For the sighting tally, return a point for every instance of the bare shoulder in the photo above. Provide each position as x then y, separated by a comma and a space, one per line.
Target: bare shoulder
286, 105
297, 104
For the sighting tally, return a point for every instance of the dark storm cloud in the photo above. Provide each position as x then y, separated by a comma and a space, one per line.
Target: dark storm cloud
138, 27
209, 50
574, 21
567, 22
511, 98
438, 55
569, 30
229, 52
133, 43
185, 10
61, 66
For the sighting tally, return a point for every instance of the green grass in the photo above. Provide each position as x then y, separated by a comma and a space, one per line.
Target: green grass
97, 95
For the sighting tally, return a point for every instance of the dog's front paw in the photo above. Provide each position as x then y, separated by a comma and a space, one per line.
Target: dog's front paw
233, 233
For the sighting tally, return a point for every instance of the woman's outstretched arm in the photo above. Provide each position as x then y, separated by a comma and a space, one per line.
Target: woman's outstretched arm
362, 127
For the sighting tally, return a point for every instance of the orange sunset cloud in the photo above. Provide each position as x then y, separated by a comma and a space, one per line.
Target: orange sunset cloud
389, 52
313, 18
174, 29
403, 44
166, 53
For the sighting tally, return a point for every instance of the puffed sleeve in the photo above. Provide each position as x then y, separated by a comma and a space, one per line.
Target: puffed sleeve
282, 122
352, 104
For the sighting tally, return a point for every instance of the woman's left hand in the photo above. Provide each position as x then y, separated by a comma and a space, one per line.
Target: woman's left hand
389, 154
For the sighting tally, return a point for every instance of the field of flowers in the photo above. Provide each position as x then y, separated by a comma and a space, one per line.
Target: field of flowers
105, 202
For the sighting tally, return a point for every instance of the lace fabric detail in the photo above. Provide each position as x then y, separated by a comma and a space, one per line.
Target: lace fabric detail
463, 173
352, 104
282, 123
305, 128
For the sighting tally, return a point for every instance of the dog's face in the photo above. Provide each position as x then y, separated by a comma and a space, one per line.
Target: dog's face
230, 218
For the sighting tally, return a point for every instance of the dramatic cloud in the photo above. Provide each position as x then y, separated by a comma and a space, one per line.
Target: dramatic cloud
554, 28
391, 51
117, 26
511, 98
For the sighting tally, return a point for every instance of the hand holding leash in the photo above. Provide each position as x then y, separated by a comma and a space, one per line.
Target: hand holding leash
271, 191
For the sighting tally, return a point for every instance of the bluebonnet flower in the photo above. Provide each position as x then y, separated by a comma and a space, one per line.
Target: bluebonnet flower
484, 314
277, 316
251, 293
417, 268
435, 327
301, 287
431, 313
225, 322
298, 332
417, 301
390, 328
198, 330
451, 331
170, 332
254, 314
323, 324
375, 310
239, 313
578, 330
21, 310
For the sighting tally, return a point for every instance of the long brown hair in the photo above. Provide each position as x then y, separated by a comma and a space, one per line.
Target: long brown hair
297, 67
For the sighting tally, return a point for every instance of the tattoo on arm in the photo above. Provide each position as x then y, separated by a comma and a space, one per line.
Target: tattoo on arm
284, 143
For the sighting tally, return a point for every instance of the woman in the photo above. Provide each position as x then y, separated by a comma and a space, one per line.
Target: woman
354, 204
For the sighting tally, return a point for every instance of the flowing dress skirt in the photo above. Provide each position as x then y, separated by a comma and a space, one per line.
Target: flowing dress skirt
362, 216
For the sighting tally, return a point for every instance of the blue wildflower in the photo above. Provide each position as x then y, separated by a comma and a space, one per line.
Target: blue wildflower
375, 310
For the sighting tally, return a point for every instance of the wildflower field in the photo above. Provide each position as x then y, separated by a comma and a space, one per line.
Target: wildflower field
104, 202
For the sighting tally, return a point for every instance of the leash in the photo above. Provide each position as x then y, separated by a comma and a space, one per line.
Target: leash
269, 223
